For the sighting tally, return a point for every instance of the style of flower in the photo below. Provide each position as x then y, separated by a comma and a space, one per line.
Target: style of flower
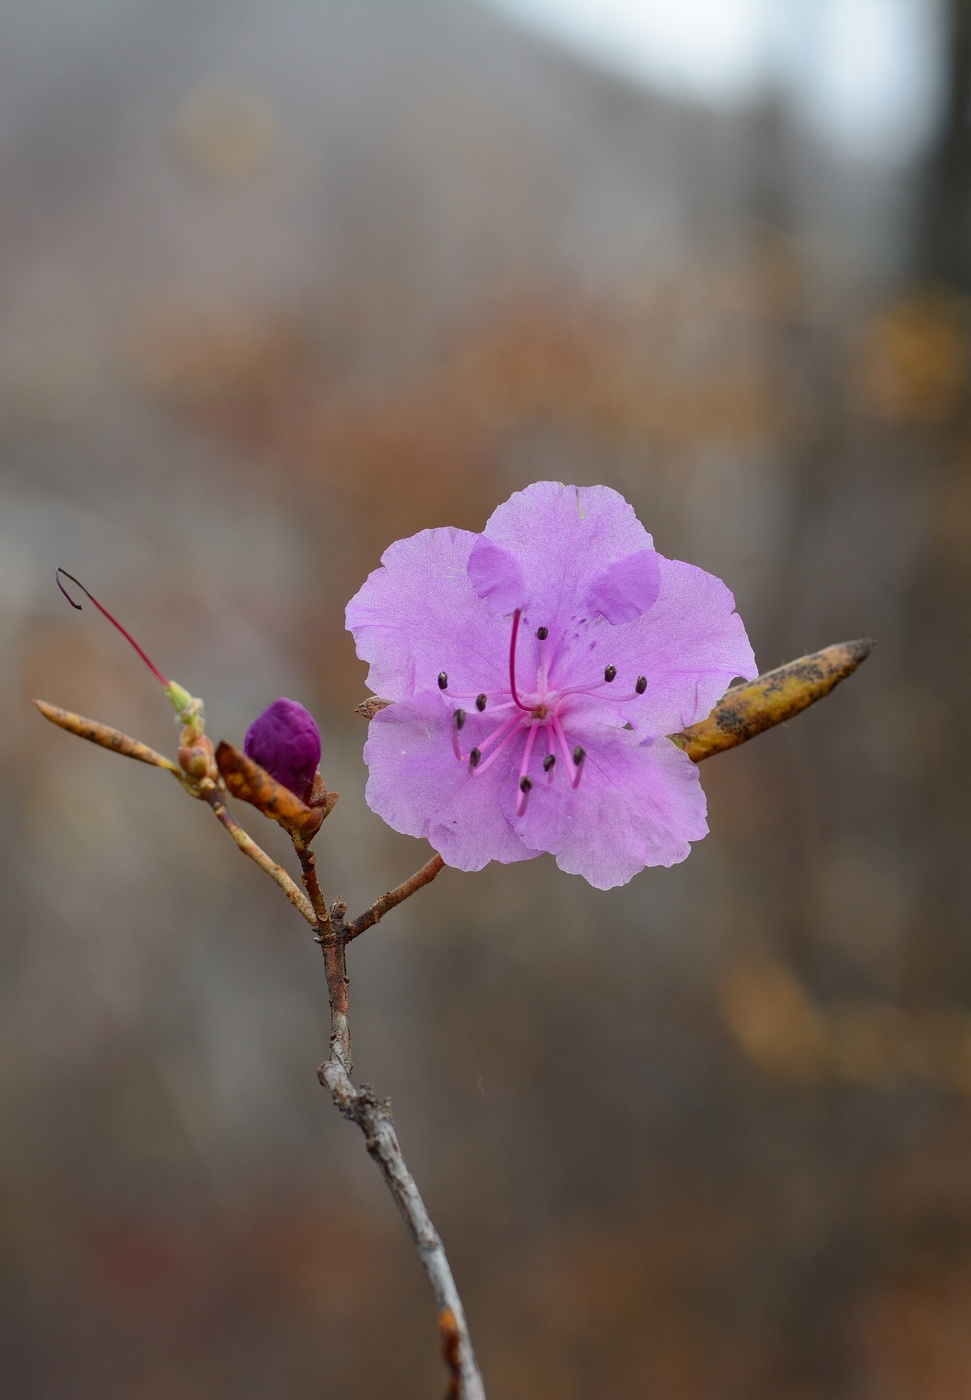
533, 673
285, 741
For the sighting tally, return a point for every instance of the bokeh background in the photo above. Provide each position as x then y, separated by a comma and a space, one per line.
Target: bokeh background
282, 282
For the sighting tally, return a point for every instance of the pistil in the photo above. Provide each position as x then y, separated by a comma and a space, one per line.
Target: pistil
512, 660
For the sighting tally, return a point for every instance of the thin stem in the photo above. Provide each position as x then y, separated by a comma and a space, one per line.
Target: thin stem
249, 848
308, 865
388, 901
565, 749
373, 1116
332, 943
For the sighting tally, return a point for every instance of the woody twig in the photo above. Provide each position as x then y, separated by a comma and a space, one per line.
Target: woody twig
211, 774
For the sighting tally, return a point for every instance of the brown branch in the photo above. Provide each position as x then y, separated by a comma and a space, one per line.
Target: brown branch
249, 848
308, 867
381, 906
373, 1116
747, 710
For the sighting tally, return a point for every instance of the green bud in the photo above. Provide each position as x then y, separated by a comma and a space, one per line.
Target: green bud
184, 704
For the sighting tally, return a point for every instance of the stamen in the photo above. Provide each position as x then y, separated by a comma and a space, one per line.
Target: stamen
507, 728
641, 685
480, 703
595, 688
524, 782
564, 747
548, 762
513, 731
456, 746
512, 660
544, 662
579, 754
505, 732
442, 680
113, 620
459, 718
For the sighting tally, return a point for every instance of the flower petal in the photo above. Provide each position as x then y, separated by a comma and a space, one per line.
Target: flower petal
695, 644
689, 646
562, 536
420, 788
636, 805
418, 615
496, 577
624, 590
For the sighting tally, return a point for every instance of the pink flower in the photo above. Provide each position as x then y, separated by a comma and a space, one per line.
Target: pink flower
285, 741
534, 671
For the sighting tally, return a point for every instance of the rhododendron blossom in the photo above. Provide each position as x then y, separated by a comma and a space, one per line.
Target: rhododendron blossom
534, 672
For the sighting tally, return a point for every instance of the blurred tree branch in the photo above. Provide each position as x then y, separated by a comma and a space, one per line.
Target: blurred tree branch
942, 250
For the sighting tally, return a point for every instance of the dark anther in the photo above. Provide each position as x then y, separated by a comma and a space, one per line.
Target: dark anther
641, 685
525, 784
474, 757
548, 762
459, 718
442, 680
480, 703
542, 633
579, 754
610, 673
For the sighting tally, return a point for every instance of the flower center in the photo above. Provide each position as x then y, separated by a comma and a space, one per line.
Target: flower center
541, 713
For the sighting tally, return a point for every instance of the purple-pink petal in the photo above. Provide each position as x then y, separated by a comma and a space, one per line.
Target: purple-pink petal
562, 536
418, 615
691, 645
635, 805
624, 590
496, 577
418, 786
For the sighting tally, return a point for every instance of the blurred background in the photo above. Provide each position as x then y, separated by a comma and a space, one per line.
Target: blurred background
282, 282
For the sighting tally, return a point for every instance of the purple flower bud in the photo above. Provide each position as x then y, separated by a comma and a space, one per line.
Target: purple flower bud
285, 741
